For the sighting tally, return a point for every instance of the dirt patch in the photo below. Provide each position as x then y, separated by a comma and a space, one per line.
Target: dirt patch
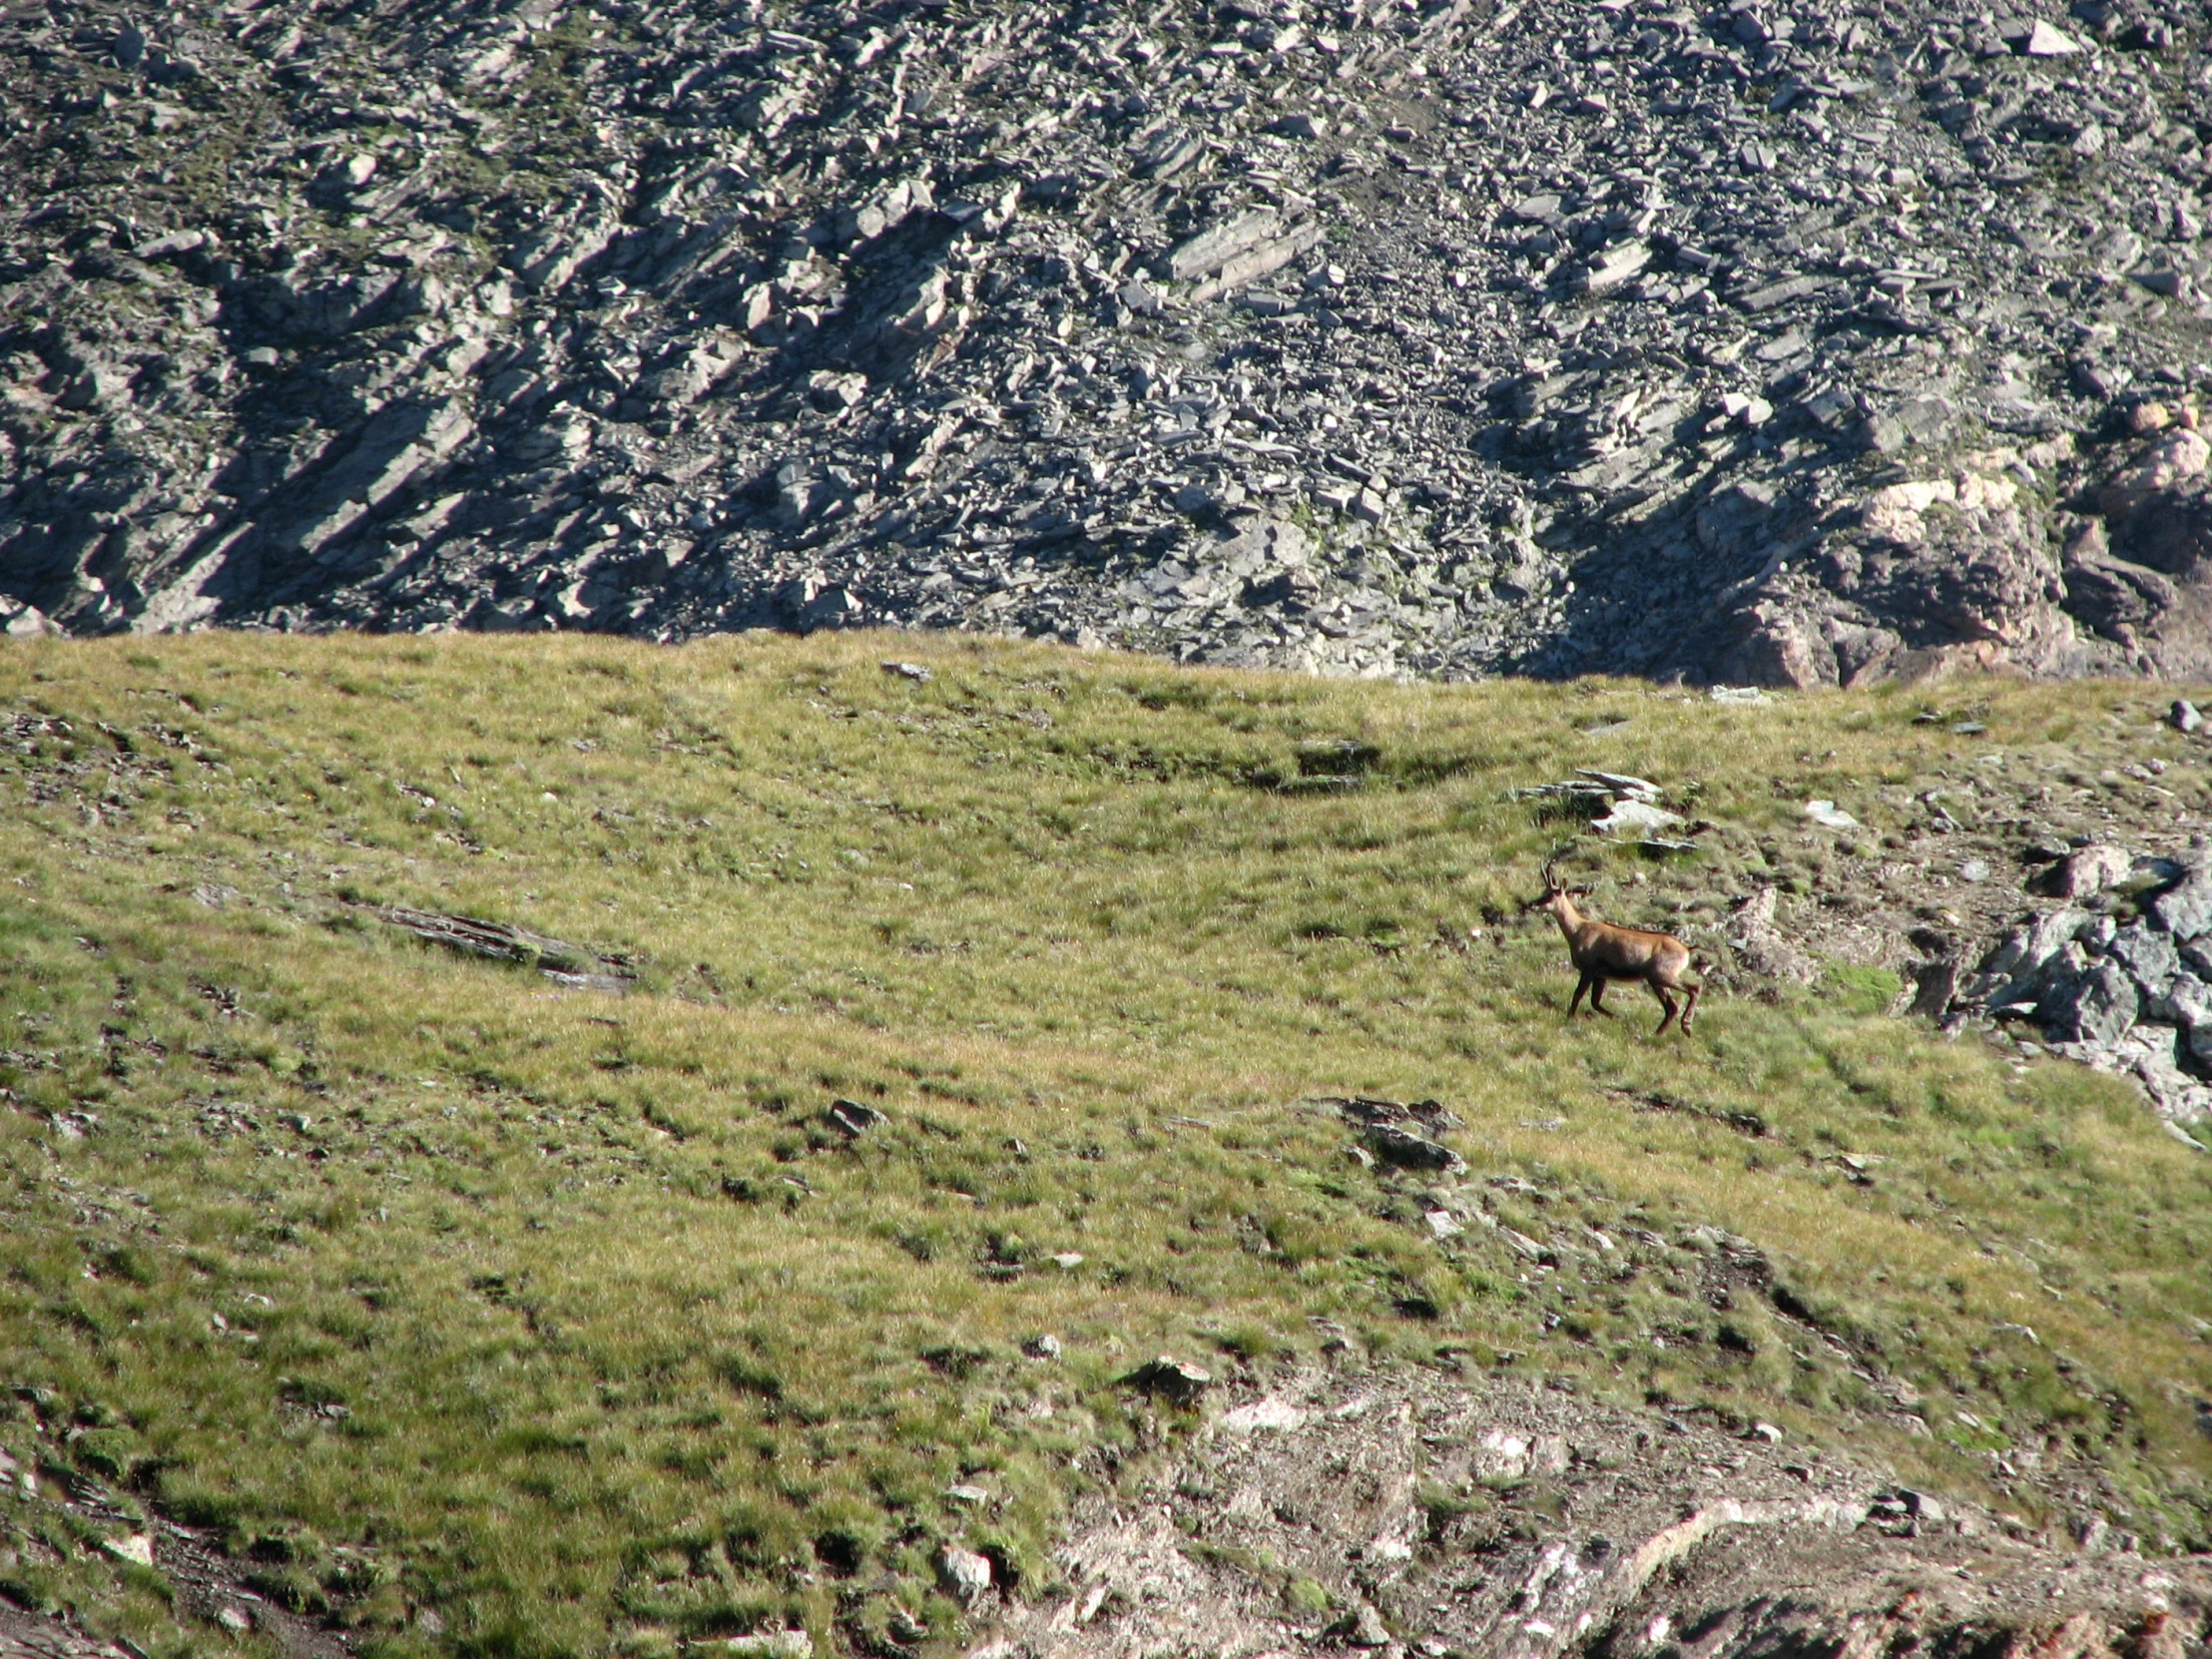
207, 1585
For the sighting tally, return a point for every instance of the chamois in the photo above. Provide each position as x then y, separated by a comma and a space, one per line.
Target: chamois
1603, 954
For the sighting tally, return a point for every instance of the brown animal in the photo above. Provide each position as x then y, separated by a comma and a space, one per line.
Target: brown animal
1603, 954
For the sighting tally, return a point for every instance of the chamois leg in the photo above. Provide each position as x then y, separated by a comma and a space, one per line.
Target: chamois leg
1691, 992
1665, 1001
1584, 985
1598, 984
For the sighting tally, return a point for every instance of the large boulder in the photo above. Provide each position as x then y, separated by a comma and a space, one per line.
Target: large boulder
2021, 964
2140, 575
2097, 1005
2191, 1000
2185, 909
1921, 578
2149, 958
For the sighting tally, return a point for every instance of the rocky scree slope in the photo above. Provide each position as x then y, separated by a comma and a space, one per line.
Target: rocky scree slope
1751, 344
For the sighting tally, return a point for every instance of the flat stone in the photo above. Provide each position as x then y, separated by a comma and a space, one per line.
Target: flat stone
1178, 1379
1782, 293
1637, 818
137, 1549
1211, 249
769, 1644
1410, 1151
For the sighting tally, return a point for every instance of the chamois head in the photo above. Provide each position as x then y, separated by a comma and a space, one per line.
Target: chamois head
1555, 894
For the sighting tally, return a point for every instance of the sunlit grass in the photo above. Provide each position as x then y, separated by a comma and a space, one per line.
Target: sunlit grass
571, 1320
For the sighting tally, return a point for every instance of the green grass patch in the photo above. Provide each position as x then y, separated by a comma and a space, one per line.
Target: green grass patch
436, 1286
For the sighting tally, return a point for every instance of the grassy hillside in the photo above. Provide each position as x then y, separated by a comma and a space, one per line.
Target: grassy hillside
512, 1318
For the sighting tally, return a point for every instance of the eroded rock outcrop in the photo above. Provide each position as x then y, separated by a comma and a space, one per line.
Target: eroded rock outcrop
1351, 1510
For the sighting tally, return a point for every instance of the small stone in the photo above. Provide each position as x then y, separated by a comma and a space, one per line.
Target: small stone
853, 1118
234, 1619
137, 1549
830, 392
1042, 1347
1178, 1379
2043, 41
909, 671
2185, 717
1766, 1431
967, 1494
1829, 816
1067, 1260
771, 1644
1973, 870
1362, 1626
966, 1575
1142, 298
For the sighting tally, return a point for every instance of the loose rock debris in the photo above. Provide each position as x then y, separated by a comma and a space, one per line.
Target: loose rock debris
2125, 987
558, 960
1437, 340
1499, 1518
1388, 1129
